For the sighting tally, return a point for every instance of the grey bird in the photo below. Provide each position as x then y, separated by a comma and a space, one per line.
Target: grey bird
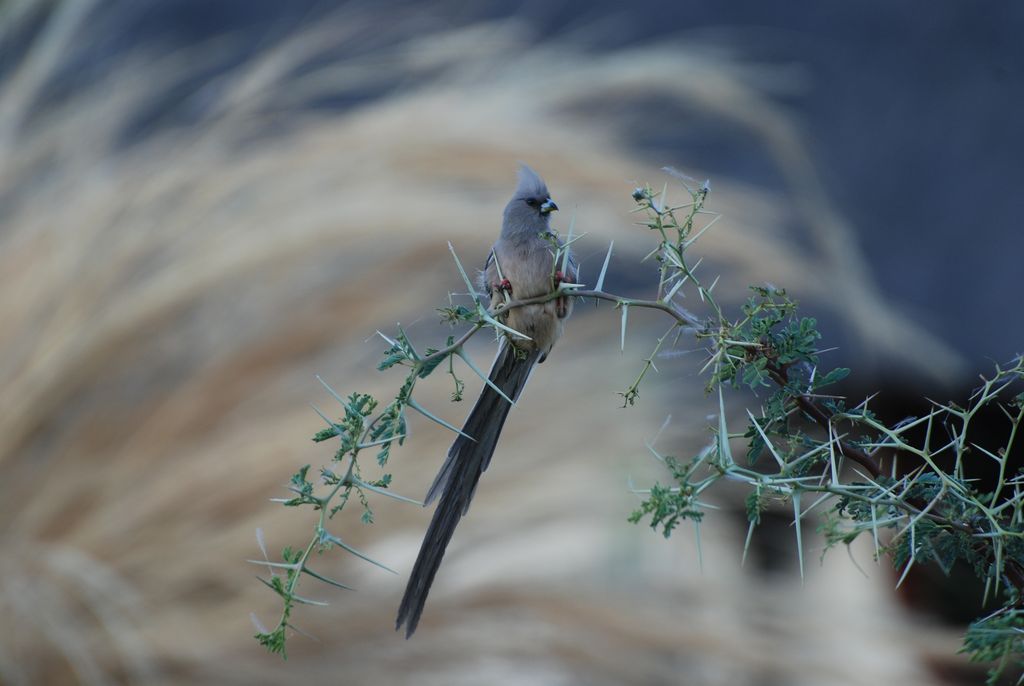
522, 264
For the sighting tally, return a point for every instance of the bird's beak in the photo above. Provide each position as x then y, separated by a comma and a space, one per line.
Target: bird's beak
548, 207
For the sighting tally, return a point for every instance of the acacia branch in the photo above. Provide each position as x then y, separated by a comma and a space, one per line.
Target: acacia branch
568, 289
806, 403
824, 419
564, 290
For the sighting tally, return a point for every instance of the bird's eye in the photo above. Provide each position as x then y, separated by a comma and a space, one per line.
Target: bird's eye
532, 202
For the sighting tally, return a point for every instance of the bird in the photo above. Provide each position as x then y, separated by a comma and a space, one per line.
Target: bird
522, 265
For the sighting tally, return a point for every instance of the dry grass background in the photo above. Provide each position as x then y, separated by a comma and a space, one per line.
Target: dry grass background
166, 305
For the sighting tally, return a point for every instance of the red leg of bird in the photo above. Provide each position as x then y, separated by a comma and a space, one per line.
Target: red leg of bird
561, 304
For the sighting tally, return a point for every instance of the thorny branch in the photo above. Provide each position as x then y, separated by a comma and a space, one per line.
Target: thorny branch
934, 514
823, 417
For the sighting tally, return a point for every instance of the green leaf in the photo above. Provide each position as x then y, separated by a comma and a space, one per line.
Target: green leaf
834, 376
325, 434
755, 374
755, 507
427, 366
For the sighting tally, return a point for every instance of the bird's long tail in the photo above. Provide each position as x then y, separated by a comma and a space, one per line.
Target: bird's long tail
456, 482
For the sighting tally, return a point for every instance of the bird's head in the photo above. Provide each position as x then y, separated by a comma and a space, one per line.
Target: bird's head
531, 204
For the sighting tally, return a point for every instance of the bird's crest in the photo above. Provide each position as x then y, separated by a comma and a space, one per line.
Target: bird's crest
530, 184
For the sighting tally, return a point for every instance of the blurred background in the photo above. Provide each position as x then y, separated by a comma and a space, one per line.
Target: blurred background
203, 205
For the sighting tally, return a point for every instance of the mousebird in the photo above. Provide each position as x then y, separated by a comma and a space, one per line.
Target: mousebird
521, 263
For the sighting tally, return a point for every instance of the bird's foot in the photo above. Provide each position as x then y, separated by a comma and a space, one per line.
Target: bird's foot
562, 303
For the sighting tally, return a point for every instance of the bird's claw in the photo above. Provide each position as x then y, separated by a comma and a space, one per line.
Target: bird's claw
562, 302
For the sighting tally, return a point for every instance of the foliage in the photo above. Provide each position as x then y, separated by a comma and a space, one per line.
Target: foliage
821, 453
363, 427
